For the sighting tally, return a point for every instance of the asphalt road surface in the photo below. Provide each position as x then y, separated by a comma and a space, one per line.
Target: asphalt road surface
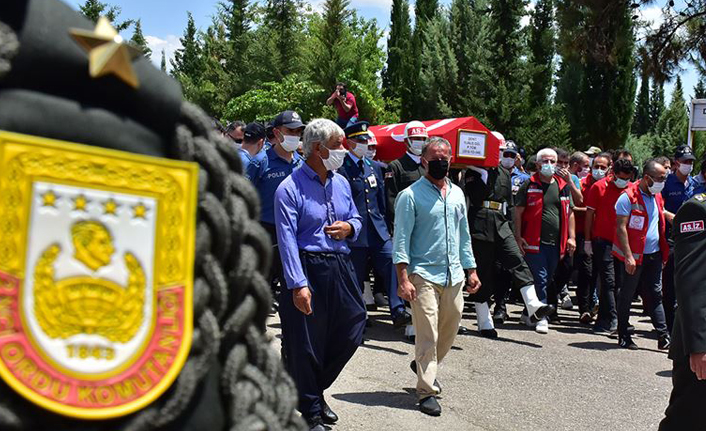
569, 379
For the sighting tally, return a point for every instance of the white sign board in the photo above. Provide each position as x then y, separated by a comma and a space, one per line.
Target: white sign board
471, 145
698, 114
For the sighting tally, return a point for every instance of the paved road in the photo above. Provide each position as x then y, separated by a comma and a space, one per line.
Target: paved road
569, 379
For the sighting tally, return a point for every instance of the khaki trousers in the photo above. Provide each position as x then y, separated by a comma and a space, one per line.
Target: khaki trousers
436, 315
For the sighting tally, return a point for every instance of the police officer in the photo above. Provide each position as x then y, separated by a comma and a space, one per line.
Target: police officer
688, 349
675, 193
489, 195
278, 164
251, 152
374, 243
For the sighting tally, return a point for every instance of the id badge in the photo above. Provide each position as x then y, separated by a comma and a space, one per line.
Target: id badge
637, 222
372, 181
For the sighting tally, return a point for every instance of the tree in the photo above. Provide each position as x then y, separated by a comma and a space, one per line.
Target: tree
439, 71
138, 39
235, 18
331, 58
656, 104
94, 9
596, 80
187, 60
412, 106
163, 63
700, 88
542, 49
641, 124
395, 75
673, 125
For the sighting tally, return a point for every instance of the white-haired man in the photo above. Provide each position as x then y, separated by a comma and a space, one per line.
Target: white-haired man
544, 224
431, 250
322, 310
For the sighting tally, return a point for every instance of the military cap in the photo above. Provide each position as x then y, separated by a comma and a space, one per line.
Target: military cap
358, 130
683, 153
511, 146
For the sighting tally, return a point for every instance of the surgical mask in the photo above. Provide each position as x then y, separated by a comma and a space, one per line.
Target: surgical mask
507, 162
583, 173
237, 145
621, 183
548, 169
335, 159
360, 150
598, 174
685, 169
415, 146
438, 168
370, 153
289, 143
656, 187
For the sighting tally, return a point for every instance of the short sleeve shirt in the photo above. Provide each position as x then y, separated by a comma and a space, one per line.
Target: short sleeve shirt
602, 198
350, 100
551, 210
622, 208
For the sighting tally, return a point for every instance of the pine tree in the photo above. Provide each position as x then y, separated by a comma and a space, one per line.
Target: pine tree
187, 60
138, 39
332, 58
394, 76
283, 33
163, 64
641, 125
439, 70
657, 106
237, 22
412, 106
673, 125
94, 9
542, 48
700, 88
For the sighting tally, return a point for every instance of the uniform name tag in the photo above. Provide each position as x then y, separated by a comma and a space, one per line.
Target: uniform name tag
637, 222
372, 181
691, 226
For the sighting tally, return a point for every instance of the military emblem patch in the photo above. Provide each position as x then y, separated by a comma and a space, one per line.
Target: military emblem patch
96, 273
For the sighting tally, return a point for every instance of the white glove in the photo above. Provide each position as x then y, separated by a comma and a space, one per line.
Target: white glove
588, 248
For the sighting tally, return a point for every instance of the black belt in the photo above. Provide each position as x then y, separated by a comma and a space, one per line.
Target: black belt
320, 254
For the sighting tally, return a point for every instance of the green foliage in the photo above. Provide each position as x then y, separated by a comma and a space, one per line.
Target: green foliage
439, 71
331, 57
542, 50
94, 9
187, 62
396, 74
656, 104
163, 63
672, 127
138, 39
700, 88
641, 124
642, 148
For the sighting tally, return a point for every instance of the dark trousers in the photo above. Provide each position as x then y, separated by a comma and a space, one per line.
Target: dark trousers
318, 346
604, 268
669, 297
379, 254
562, 277
507, 253
685, 410
585, 284
276, 271
649, 276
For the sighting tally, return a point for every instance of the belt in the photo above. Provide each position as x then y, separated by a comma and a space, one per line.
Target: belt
498, 206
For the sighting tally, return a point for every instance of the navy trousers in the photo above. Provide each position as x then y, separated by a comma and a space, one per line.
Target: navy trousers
380, 254
317, 347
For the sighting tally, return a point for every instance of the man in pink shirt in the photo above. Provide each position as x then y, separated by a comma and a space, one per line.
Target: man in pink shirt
344, 102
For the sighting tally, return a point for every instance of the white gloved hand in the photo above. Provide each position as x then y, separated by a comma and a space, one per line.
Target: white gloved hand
588, 248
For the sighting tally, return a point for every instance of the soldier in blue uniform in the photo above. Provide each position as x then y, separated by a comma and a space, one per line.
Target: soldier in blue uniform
374, 243
676, 192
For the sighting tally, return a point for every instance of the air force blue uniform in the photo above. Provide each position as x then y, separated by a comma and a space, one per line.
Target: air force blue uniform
374, 242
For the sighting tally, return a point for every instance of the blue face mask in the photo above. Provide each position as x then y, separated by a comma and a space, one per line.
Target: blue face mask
621, 183
548, 170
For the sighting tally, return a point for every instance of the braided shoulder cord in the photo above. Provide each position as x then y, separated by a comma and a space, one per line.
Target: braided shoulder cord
9, 45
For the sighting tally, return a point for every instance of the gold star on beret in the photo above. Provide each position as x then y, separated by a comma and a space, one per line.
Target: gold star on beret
107, 52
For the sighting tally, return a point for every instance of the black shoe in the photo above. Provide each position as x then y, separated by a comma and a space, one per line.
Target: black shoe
499, 317
586, 318
462, 330
413, 367
543, 312
315, 423
489, 333
554, 318
664, 342
402, 319
327, 415
430, 406
380, 300
627, 343
411, 338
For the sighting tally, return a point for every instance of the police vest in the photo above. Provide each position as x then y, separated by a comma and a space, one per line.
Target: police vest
638, 226
532, 215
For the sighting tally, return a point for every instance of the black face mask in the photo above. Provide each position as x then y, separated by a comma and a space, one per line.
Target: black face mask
438, 168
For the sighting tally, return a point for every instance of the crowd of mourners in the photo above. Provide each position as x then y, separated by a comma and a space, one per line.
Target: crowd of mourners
352, 234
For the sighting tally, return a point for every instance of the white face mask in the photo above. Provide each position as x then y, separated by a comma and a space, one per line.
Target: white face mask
360, 150
290, 143
507, 162
416, 145
583, 173
685, 169
238, 146
370, 153
598, 174
335, 159
621, 183
548, 169
656, 187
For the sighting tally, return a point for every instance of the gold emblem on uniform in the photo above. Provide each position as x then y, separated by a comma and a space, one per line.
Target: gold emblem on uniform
96, 262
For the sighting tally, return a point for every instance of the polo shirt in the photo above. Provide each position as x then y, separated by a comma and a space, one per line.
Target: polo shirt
623, 208
602, 198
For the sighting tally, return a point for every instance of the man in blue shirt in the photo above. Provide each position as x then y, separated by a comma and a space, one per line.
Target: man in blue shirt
321, 307
676, 191
641, 250
432, 250
374, 243
251, 152
279, 162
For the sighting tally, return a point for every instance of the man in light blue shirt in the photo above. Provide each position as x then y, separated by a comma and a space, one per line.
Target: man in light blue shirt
251, 152
434, 260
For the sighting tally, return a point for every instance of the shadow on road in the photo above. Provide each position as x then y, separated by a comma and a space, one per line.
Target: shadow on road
595, 345
665, 373
366, 345
395, 400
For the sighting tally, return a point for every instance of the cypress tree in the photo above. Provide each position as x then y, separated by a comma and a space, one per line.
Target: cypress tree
542, 48
333, 59
412, 106
439, 71
642, 123
700, 88
237, 24
163, 64
656, 104
283, 22
138, 39
398, 44
673, 125
187, 60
